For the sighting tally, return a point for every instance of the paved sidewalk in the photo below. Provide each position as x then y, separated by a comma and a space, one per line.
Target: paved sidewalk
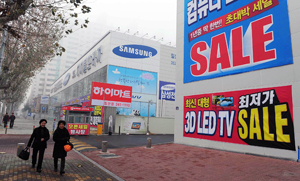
123, 141
25, 126
180, 162
13, 168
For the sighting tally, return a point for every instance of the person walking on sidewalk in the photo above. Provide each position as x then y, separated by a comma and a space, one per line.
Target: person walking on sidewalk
5, 119
41, 136
12, 120
61, 136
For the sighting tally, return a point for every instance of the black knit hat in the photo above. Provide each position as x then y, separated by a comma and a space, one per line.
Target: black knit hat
61, 121
43, 120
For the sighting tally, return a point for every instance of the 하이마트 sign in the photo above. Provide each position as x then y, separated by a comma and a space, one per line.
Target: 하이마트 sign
103, 94
257, 117
231, 37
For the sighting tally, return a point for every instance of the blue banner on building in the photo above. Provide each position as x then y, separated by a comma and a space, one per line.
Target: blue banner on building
225, 37
166, 91
144, 88
141, 81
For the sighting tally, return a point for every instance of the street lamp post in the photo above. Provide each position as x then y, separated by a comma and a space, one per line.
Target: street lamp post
149, 103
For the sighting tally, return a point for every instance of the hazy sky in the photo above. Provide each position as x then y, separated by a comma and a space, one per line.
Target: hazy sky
155, 17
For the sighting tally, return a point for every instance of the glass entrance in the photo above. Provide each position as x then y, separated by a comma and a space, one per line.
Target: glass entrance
79, 119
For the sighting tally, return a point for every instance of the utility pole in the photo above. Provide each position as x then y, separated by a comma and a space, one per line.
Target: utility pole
2, 48
149, 103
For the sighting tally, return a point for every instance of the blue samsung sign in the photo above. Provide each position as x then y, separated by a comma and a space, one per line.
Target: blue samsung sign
66, 80
135, 51
166, 91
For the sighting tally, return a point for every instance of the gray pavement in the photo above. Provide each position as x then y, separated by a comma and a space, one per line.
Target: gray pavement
123, 141
25, 126
78, 167
161, 162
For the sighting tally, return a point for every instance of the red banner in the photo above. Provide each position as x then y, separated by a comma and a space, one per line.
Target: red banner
78, 129
112, 95
258, 117
69, 108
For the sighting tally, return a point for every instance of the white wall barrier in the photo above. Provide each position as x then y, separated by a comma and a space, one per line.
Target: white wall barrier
138, 125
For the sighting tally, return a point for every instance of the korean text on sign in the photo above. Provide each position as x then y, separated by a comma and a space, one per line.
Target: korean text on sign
78, 129
202, 102
112, 92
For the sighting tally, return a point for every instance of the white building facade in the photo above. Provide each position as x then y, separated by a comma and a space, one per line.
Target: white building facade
237, 76
122, 59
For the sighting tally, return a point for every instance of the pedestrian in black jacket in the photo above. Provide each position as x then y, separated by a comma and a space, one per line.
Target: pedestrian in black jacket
5, 119
61, 136
12, 120
40, 136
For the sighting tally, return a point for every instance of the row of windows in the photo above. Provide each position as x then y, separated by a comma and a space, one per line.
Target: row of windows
47, 80
81, 88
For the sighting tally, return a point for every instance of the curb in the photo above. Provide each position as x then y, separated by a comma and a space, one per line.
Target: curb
99, 166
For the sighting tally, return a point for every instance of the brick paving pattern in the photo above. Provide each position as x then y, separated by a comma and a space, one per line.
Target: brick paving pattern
180, 162
13, 168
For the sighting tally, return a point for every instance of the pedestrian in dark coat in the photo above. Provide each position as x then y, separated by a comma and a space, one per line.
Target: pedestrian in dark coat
5, 119
40, 136
61, 137
12, 120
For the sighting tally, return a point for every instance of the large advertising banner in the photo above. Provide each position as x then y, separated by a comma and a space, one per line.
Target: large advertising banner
257, 117
225, 37
141, 81
144, 89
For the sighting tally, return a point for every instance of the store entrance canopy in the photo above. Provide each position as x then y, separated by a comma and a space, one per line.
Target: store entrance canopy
112, 95
69, 108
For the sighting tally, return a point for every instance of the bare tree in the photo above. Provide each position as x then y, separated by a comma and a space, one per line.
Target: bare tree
27, 54
35, 28
11, 10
